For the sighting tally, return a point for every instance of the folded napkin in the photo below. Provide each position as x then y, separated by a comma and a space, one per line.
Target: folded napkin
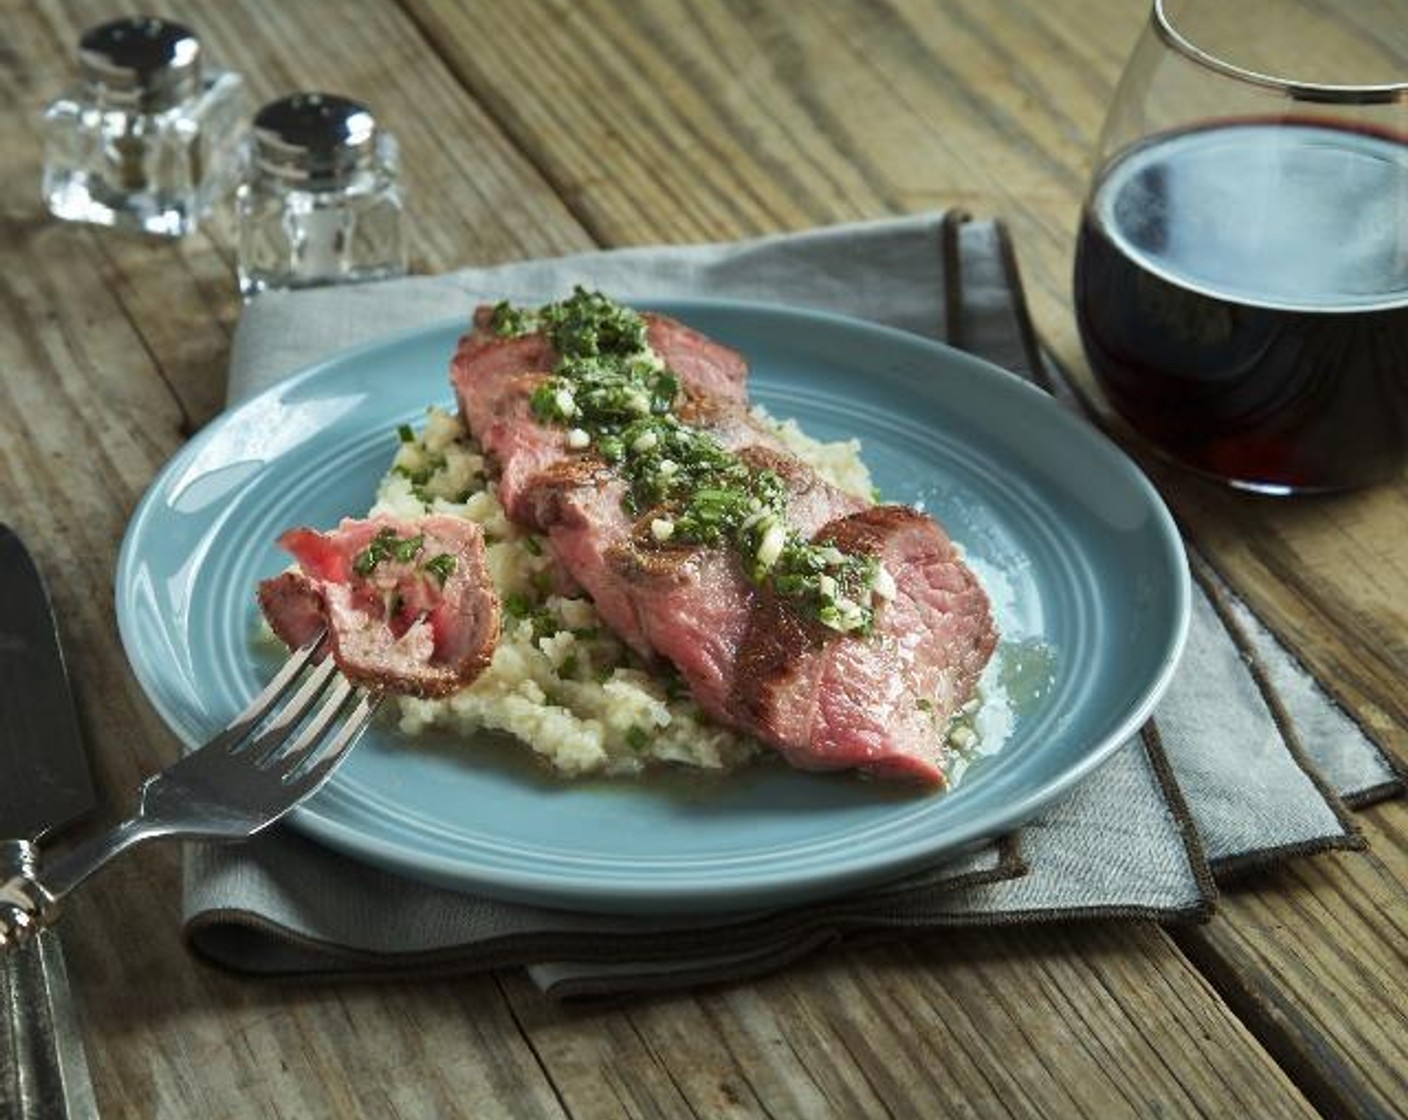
1246, 761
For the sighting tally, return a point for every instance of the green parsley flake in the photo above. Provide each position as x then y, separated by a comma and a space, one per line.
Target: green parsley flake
441, 567
507, 321
386, 545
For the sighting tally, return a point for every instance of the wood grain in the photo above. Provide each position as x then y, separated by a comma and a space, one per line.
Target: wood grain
548, 129
1315, 954
1075, 1021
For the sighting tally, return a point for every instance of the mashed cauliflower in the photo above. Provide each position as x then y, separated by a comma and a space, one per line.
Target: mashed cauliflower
560, 681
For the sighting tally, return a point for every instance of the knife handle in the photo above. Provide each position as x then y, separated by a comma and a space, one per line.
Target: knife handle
48, 1079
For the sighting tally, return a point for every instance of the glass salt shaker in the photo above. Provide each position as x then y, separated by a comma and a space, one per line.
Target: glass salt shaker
321, 202
149, 139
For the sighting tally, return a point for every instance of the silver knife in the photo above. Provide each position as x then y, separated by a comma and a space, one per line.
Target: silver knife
44, 785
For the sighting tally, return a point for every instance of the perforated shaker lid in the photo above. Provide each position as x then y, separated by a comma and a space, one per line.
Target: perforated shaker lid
152, 62
315, 139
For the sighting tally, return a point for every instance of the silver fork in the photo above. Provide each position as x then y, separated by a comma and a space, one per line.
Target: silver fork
240, 782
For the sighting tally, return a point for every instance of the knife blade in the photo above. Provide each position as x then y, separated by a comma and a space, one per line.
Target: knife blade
44, 784
44, 778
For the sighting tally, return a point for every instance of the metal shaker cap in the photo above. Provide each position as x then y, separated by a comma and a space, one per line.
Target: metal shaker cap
317, 140
152, 63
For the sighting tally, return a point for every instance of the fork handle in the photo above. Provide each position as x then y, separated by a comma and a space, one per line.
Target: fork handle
25, 905
29, 903
48, 1078
65, 871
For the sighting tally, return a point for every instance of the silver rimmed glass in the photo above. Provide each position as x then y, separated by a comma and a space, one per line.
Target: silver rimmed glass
1241, 279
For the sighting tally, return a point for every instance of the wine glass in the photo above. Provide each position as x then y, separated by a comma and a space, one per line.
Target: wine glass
1241, 279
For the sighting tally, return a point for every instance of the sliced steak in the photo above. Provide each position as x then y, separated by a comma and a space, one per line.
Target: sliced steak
520, 446
705, 368
578, 503
484, 361
686, 603
752, 659
730, 422
408, 605
811, 500
879, 703
483, 367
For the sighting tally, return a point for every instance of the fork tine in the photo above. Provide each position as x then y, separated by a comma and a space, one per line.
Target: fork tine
312, 730
287, 719
318, 763
264, 703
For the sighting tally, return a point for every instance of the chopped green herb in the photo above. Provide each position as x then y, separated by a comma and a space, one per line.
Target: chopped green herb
637, 738
532, 545
588, 323
675, 687
569, 666
406, 549
386, 545
924, 704
441, 567
518, 607
508, 321
367, 560
417, 477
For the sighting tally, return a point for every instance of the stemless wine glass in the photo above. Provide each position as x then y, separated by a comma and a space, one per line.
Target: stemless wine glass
1241, 277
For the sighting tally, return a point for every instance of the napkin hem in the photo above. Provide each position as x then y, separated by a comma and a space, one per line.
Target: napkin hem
214, 934
1394, 785
1199, 865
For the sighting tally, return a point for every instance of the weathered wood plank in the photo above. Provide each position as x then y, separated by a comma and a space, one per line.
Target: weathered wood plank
1316, 954
1073, 1021
845, 111
111, 351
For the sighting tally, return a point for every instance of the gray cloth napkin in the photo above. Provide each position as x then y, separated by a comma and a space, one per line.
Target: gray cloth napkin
1247, 760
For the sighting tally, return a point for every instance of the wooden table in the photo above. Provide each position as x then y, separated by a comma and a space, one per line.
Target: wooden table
548, 126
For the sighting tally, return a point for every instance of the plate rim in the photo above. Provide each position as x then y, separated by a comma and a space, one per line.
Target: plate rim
520, 885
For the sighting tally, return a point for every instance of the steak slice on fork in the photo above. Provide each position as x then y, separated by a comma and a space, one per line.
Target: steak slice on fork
408, 605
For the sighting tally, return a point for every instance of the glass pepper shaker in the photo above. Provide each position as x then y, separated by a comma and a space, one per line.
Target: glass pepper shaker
321, 202
149, 138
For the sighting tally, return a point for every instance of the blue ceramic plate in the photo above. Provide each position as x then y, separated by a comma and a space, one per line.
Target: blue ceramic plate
1082, 560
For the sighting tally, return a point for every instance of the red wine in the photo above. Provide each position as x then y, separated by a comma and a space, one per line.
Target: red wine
1242, 293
